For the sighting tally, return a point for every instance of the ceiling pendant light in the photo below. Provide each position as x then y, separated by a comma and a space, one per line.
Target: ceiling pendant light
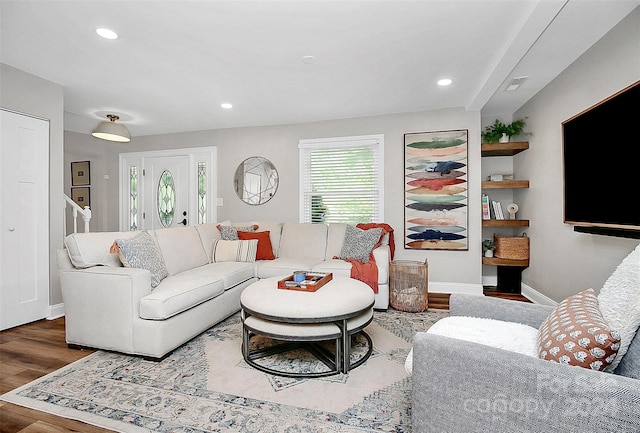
111, 130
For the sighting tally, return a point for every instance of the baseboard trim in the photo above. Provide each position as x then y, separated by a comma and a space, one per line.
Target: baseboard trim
528, 292
536, 297
55, 311
491, 281
449, 288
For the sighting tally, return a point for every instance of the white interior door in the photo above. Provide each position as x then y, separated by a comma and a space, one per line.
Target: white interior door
24, 219
166, 192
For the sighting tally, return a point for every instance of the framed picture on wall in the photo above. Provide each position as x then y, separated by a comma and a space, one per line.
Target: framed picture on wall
82, 196
80, 173
435, 191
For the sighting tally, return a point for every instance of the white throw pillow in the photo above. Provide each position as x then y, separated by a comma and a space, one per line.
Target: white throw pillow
234, 251
619, 301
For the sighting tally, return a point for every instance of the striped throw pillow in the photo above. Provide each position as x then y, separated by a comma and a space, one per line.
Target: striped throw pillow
234, 251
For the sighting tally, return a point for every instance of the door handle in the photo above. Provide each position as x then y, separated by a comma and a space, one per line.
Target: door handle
184, 221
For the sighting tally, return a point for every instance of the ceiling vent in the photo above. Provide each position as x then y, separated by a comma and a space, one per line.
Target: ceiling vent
515, 83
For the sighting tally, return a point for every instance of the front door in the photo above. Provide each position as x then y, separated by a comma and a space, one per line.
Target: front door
167, 188
166, 192
24, 219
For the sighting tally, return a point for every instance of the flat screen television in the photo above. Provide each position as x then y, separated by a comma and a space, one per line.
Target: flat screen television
601, 165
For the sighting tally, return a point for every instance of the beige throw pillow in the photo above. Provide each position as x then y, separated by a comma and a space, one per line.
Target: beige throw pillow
234, 251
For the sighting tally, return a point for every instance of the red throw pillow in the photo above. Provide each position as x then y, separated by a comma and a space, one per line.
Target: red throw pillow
265, 250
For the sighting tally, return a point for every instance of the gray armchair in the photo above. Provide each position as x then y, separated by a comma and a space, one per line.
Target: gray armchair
464, 387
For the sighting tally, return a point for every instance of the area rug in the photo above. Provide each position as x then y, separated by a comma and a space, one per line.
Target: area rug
206, 386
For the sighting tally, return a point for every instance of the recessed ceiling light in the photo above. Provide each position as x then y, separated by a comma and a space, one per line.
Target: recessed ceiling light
106, 33
308, 59
444, 82
226, 105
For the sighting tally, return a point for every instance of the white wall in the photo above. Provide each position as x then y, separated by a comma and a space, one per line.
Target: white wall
280, 145
564, 262
29, 94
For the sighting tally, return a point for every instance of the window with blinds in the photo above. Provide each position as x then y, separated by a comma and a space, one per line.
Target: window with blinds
342, 180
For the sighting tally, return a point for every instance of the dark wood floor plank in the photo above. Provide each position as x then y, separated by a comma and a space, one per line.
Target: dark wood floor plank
26, 353
495, 293
19, 379
28, 357
12, 422
9, 369
34, 416
439, 301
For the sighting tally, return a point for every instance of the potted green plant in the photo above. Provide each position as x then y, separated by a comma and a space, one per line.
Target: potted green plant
487, 247
502, 132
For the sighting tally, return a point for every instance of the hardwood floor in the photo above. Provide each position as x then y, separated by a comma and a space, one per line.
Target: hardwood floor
440, 301
31, 351
493, 292
26, 353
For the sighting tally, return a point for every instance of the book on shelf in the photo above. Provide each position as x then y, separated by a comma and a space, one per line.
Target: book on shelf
486, 213
497, 210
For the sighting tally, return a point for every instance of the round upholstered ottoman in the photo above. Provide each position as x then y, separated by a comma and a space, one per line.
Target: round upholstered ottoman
336, 311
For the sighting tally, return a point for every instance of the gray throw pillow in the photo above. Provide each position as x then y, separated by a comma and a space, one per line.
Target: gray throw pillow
230, 233
142, 252
359, 243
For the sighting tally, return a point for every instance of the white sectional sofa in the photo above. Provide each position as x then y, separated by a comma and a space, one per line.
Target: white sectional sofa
111, 307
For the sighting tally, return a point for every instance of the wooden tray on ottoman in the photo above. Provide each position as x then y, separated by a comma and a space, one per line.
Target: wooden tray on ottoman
314, 281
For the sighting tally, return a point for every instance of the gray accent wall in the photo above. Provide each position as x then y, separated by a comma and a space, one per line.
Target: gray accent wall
564, 262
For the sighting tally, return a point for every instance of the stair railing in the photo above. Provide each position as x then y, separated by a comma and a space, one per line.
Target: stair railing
86, 214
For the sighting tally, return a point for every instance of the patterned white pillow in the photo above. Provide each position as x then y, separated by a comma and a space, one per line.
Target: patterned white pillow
359, 243
142, 252
234, 251
230, 233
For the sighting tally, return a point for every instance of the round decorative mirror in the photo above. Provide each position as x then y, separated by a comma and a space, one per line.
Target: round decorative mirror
256, 180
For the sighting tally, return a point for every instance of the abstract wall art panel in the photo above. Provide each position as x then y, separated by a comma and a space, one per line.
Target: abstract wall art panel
435, 170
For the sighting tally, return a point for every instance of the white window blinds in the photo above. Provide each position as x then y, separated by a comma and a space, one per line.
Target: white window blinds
342, 180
